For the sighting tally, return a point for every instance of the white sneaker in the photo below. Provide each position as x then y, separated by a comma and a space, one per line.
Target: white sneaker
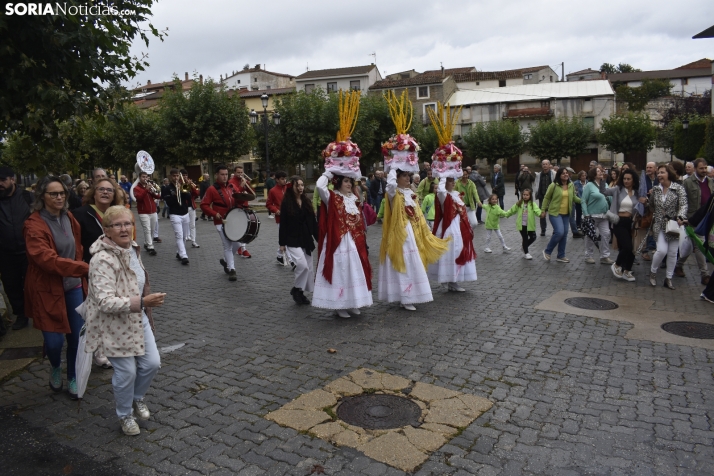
343, 314
101, 360
616, 270
527, 256
129, 426
455, 287
141, 410
355, 311
408, 307
590, 260
506, 248
627, 276
487, 250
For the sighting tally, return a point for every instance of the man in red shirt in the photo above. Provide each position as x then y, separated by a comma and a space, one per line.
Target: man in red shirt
146, 206
216, 203
239, 184
275, 199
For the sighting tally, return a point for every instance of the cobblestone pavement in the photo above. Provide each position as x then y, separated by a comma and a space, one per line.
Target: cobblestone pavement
571, 395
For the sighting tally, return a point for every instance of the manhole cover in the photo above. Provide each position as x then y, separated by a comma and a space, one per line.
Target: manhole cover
694, 330
15, 353
593, 304
379, 412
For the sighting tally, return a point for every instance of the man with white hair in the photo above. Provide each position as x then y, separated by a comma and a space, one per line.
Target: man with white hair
497, 184
688, 170
540, 186
710, 172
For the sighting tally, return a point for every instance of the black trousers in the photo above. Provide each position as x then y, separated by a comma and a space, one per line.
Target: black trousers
528, 238
623, 233
543, 221
13, 269
709, 290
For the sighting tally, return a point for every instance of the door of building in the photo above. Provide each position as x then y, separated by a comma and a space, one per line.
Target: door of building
582, 161
638, 158
513, 165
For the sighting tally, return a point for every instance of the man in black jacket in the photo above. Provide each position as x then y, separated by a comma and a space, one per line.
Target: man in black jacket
178, 202
497, 184
377, 189
15, 208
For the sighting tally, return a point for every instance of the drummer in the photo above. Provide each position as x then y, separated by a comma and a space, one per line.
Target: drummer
216, 203
240, 185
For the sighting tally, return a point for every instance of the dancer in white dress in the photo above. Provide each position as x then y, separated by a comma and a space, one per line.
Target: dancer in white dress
408, 245
344, 275
458, 264
450, 220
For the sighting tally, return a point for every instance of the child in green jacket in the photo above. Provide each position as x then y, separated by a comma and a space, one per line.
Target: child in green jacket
493, 214
427, 205
526, 211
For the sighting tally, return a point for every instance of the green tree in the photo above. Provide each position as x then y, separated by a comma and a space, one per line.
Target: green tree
495, 140
54, 67
374, 127
637, 98
555, 139
709, 142
688, 143
610, 68
426, 137
630, 132
205, 124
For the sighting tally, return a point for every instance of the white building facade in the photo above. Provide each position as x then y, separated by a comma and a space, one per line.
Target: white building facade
358, 78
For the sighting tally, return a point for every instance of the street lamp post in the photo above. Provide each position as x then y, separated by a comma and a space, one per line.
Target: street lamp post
254, 120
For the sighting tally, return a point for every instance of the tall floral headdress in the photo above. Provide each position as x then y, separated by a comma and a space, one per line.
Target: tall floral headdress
400, 151
342, 156
446, 160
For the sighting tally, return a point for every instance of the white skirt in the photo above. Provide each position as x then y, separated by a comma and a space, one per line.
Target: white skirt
411, 287
349, 286
446, 270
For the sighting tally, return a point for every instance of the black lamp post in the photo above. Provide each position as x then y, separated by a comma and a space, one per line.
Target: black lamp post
254, 120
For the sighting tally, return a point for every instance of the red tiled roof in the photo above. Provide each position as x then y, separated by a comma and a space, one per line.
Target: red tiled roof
402, 83
259, 70
583, 71
327, 73
269, 92
486, 75
662, 74
702, 63
160, 85
448, 71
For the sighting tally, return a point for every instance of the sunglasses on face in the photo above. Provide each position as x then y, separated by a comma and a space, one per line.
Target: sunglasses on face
109, 191
57, 194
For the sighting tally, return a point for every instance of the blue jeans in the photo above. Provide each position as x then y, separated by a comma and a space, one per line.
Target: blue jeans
560, 234
133, 375
54, 341
573, 223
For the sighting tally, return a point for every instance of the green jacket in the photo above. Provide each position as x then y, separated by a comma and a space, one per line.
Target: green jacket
427, 206
533, 212
380, 213
470, 197
552, 199
493, 214
423, 188
316, 200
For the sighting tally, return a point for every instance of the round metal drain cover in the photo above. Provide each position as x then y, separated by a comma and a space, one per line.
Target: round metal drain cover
694, 330
593, 304
379, 412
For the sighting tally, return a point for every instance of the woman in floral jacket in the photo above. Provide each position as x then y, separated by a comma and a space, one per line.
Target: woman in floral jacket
116, 315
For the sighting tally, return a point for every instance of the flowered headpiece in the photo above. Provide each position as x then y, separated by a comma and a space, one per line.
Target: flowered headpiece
446, 161
400, 151
342, 156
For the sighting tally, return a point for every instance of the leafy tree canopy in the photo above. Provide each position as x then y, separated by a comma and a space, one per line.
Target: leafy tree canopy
54, 67
555, 139
620, 68
495, 140
630, 132
637, 98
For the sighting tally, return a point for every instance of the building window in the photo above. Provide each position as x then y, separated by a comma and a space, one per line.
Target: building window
685, 81
465, 129
255, 80
238, 82
331, 87
267, 87
355, 85
590, 122
431, 106
309, 88
501, 83
551, 79
528, 76
478, 83
423, 92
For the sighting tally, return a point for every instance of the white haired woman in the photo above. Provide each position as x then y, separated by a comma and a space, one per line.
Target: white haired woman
118, 315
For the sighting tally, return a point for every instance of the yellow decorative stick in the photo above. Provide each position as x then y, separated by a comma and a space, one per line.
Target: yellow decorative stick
348, 109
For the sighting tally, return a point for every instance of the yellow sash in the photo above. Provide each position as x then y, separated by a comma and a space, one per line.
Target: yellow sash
394, 234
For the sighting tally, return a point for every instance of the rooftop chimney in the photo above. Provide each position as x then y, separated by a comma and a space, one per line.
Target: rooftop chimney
200, 78
148, 82
442, 71
186, 73
257, 66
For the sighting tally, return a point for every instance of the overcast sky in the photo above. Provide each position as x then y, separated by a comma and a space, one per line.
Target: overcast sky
215, 37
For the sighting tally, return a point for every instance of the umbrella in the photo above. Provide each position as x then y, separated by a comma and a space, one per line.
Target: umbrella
588, 228
83, 363
707, 252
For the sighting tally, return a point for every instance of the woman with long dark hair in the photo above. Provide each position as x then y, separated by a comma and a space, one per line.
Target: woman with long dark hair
298, 228
558, 203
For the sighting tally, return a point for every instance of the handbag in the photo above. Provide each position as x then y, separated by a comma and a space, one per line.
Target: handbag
370, 217
613, 218
672, 228
471, 214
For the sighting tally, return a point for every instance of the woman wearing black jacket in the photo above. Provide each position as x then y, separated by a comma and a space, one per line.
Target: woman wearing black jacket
298, 229
706, 212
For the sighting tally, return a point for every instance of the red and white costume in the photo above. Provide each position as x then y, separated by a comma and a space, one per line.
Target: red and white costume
219, 199
146, 206
459, 262
234, 183
344, 275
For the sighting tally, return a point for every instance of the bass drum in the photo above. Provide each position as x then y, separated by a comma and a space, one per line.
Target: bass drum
241, 224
